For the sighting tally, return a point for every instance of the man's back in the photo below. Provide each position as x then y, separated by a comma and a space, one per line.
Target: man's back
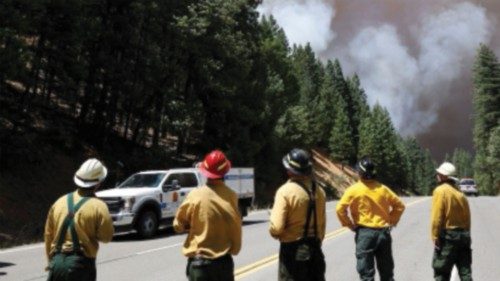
214, 222
371, 204
92, 223
290, 211
450, 209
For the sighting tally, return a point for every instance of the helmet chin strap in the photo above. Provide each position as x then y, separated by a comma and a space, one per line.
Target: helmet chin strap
295, 176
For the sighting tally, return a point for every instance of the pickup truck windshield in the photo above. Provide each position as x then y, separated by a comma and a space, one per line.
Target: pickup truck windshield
143, 180
467, 182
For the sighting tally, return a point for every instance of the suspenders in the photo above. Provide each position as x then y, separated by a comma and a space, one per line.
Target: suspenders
69, 222
311, 209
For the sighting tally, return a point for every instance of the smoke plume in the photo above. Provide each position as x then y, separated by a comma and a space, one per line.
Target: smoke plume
412, 57
305, 21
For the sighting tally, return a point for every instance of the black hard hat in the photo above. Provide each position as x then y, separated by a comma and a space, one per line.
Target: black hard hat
298, 162
366, 168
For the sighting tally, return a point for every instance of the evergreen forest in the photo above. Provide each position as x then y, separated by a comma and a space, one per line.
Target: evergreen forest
176, 79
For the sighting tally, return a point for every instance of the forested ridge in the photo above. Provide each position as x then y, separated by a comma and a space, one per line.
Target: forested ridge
157, 84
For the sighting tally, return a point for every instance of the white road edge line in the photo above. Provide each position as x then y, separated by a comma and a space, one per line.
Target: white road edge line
41, 245
159, 249
454, 274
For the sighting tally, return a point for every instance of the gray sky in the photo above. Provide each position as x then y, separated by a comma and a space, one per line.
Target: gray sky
413, 56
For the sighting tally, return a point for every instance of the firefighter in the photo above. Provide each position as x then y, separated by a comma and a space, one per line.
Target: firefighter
75, 225
210, 215
374, 210
298, 221
450, 227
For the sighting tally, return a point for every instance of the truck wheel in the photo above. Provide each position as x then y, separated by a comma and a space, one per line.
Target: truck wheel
147, 225
243, 211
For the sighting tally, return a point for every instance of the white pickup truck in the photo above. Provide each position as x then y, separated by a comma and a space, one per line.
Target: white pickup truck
149, 199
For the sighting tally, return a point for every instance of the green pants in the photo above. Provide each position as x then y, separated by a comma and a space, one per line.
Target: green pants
71, 267
220, 269
374, 244
455, 250
301, 261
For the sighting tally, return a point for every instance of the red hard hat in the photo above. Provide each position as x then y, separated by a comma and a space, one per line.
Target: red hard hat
215, 165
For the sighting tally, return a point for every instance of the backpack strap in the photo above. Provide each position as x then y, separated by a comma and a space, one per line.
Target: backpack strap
311, 209
69, 222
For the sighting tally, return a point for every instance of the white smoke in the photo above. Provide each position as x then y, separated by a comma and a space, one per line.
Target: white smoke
448, 43
411, 85
303, 21
386, 70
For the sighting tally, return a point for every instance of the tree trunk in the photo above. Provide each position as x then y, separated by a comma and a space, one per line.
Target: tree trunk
157, 127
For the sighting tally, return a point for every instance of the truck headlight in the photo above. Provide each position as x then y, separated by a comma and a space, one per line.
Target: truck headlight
129, 204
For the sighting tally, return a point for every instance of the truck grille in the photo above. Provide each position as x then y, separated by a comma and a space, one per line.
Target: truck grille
115, 204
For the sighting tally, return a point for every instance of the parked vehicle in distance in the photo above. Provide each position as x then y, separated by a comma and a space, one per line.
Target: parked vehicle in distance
468, 186
148, 199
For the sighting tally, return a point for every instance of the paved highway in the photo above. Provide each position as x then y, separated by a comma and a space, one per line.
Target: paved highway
127, 258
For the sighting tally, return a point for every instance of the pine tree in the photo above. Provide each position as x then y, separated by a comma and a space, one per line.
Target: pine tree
341, 143
463, 162
309, 73
378, 140
360, 107
428, 172
419, 167
486, 99
293, 127
493, 160
281, 92
326, 107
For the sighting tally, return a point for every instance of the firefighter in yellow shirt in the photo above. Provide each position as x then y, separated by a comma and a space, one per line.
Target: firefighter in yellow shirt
210, 216
450, 227
75, 225
374, 210
298, 221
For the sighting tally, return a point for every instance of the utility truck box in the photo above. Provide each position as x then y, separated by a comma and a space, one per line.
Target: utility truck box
148, 199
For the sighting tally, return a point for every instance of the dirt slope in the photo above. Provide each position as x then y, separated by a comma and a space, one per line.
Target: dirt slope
334, 177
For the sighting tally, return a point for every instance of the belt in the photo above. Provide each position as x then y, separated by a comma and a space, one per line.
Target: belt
302, 240
201, 258
69, 252
373, 228
458, 229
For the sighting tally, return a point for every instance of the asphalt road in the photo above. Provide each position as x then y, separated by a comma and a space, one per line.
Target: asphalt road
128, 258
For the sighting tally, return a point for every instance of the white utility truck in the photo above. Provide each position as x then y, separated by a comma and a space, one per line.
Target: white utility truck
149, 199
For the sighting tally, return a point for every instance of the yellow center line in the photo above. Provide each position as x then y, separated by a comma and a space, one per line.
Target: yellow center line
244, 271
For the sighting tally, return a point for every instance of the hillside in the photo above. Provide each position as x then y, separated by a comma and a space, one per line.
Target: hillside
41, 150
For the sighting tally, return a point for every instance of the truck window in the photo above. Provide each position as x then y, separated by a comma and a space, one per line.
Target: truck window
184, 179
143, 180
467, 182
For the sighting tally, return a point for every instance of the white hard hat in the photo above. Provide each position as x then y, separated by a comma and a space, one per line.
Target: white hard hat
447, 169
91, 173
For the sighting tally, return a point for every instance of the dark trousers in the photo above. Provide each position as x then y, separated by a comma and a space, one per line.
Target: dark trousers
301, 261
71, 267
374, 244
201, 269
455, 250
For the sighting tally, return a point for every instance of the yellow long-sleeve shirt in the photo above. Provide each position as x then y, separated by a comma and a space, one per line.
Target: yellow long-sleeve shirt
210, 214
450, 209
288, 216
371, 204
92, 224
